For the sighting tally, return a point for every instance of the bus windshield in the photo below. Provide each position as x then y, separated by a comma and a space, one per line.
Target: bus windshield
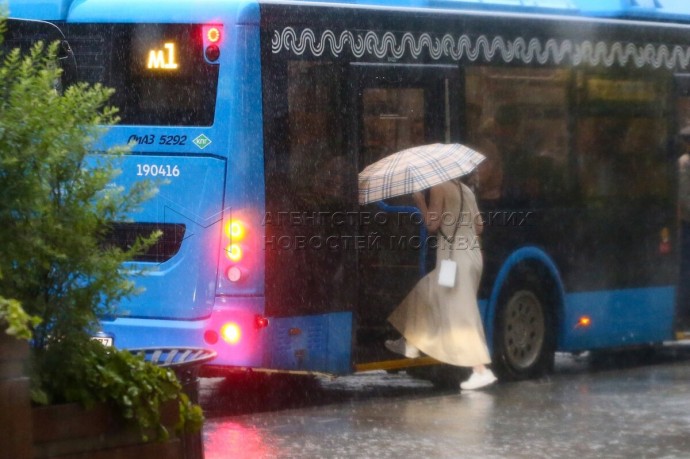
158, 71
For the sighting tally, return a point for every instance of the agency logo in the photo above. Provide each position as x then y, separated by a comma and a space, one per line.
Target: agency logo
202, 141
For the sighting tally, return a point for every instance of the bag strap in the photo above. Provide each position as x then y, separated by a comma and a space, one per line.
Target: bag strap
457, 223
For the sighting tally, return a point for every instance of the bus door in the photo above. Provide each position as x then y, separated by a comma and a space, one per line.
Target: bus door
310, 217
395, 107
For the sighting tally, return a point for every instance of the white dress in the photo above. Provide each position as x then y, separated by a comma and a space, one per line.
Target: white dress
444, 322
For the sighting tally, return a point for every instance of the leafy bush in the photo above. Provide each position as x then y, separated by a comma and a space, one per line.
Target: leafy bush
99, 374
54, 215
18, 322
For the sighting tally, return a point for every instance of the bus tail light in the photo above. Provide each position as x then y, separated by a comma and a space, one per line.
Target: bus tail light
234, 274
212, 36
238, 255
235, 230
231, 333
233, 252
211, 337
237, 249
261, 321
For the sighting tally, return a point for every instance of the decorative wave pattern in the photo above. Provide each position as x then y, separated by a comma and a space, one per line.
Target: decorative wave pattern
386, 45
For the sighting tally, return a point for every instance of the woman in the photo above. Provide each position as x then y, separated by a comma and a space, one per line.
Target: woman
444, 322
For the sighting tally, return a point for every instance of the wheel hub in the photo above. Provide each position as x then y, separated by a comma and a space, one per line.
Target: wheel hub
524, 329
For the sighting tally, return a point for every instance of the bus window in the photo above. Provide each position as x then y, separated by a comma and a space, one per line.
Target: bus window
611, 150
682, 106
621, 133
316, 151
24, 35
393, 120
524, 137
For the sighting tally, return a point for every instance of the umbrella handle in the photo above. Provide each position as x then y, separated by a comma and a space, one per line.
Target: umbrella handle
423, 233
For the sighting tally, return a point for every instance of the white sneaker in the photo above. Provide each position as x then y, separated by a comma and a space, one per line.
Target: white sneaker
478, 380
400, 346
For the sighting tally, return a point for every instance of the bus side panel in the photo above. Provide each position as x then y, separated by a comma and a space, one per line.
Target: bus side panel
312, 343
618, 318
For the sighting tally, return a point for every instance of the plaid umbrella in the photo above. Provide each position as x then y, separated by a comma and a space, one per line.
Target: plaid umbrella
415, 169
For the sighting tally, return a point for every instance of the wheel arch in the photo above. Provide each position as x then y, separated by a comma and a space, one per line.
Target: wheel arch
527, 259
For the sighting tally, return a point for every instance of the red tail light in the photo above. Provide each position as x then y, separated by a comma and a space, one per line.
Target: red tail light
212, 36
236, 247
234, 274
231, 333
261, 321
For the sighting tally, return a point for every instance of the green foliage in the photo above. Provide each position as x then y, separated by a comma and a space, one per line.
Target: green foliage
100, 374
19, 323
55, 209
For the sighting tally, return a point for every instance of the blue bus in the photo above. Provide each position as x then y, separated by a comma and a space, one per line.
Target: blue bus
255, 118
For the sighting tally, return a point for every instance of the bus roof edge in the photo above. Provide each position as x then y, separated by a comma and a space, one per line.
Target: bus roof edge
47, 10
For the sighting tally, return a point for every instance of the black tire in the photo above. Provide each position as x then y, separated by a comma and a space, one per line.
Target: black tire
524, 344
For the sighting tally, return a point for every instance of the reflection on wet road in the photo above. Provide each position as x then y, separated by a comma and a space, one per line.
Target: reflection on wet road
610, 409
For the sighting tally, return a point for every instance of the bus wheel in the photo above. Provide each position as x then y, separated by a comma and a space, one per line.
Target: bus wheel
523, 337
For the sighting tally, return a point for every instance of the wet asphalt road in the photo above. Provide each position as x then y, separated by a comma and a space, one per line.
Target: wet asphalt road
605, 407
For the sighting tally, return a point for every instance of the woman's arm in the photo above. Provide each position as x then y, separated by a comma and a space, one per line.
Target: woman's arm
478, 224
432, 213
419, 201
476, 216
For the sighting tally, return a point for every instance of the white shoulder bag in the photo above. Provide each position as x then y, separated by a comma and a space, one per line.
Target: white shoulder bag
447, 272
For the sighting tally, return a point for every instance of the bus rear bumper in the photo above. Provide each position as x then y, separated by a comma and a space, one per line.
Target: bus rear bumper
243, 338
234, 330
128, 333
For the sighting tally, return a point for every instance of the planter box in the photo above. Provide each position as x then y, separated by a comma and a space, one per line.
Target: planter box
70, 431
15, 412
